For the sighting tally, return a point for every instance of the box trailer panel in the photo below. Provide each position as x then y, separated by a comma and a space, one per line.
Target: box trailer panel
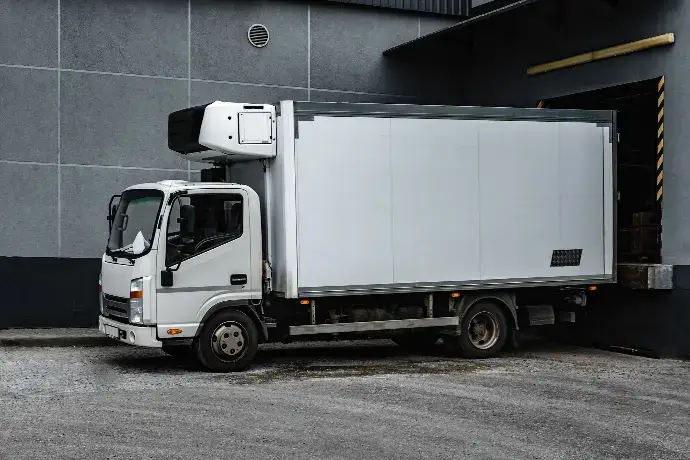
519, 198
376, 209
541, 190
583, 194
344, 202
434, 195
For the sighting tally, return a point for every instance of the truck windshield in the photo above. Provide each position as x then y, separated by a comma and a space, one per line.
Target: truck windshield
134, 223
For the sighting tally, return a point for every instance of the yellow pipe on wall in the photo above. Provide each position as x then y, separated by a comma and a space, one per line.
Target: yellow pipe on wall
606, 53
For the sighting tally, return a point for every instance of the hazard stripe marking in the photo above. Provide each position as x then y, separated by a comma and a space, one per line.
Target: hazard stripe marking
660, 138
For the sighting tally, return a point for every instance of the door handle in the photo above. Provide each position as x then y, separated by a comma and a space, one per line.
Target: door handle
238, 279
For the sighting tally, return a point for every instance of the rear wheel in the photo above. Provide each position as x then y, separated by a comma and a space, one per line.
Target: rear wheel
483, 332
228, 342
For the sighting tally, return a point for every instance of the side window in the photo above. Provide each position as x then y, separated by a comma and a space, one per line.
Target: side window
218, 220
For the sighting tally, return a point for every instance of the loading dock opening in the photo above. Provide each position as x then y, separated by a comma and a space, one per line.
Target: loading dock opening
640, 162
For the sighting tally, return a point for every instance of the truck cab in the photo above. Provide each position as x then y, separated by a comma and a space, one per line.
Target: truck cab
177, 252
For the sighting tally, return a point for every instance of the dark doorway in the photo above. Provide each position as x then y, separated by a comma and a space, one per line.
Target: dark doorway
639, 210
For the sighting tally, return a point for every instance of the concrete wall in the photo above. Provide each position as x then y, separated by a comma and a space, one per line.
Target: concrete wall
505, 48
87, 86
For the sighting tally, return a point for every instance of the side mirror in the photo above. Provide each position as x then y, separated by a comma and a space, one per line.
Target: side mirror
187, 220
112, 210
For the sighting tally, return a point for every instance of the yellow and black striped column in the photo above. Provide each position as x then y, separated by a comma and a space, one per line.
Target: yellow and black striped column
660, 142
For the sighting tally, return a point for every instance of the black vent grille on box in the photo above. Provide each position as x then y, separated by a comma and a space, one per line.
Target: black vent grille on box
566, 257
183, 130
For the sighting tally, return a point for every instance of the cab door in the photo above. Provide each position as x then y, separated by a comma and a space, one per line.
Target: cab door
211, 262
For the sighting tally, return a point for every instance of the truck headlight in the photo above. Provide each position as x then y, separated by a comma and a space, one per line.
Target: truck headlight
136, 301
100, 292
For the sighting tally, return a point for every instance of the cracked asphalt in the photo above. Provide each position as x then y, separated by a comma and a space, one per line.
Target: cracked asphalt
351, 400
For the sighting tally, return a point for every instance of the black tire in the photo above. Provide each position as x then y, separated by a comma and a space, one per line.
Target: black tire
469, 343
208, 350
178, 351
417, 341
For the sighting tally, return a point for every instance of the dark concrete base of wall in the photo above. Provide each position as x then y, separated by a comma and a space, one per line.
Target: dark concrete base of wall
52, 292
652, 323
49, 292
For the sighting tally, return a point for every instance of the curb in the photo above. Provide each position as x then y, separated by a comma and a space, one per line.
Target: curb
26, 342
55, 338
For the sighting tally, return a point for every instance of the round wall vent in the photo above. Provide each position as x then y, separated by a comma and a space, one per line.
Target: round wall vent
258, 35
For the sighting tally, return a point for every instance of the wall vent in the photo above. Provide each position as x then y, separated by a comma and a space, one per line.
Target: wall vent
258, 35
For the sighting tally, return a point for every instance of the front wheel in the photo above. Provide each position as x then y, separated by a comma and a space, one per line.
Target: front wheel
228, 342
483, 332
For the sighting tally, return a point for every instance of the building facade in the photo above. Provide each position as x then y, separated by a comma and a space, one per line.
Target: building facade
87, 86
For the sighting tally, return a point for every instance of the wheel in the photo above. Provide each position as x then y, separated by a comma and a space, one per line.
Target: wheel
483, 332
178, 351
416, 341
228, 342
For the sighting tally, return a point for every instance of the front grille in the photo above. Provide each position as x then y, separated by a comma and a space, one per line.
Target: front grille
116, 308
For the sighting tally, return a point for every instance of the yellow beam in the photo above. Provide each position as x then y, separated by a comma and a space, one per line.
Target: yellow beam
620, 50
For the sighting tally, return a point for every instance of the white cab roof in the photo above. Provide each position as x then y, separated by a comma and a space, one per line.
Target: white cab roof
171, 186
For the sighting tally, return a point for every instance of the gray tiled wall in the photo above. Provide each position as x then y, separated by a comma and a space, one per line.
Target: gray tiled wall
29, 114
29, 223
142, 37
87, 86
29, 32
220, 50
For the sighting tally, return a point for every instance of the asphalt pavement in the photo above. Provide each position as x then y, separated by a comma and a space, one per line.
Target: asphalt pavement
354, 400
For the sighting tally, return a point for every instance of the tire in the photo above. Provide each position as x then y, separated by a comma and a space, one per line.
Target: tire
228, 342
484, 331
417, 341
178, 351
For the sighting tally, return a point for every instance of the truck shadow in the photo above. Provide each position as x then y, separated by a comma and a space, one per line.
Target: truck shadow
337, 359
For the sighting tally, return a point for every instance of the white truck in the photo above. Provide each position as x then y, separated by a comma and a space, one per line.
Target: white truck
339, 220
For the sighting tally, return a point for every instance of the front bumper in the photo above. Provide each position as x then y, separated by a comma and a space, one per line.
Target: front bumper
142, 336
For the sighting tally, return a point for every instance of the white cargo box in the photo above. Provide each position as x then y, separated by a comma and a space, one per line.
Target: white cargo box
372, 198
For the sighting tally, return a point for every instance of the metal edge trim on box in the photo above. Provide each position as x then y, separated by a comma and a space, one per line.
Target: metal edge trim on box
400, 288
307, 110
374, 326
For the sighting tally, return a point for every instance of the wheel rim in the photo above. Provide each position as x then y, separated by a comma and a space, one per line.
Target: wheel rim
229, 341
483, 330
